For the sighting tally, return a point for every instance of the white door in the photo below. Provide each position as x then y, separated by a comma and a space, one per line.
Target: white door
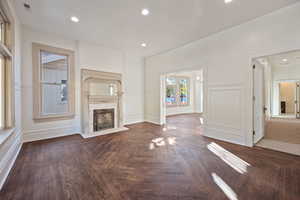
258, 105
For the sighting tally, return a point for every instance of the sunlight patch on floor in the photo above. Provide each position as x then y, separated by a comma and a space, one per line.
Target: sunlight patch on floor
201, 120
224, 187
160, 141
169, 127
232, 160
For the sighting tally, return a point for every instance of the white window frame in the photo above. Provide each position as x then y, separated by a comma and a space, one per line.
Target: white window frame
7, 87
7, 50
177, 86
38, 115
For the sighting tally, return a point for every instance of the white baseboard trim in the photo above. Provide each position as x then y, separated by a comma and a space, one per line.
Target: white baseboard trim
224, 135
152, 122
29, 136
9, 159
135, 122
152, 119
133, 119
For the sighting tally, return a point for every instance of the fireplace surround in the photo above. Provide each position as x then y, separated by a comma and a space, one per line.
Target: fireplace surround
102, 103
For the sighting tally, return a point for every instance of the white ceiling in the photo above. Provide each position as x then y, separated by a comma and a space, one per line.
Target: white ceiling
119, 23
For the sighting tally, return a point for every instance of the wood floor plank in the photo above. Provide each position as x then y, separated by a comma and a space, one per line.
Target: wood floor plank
151, 162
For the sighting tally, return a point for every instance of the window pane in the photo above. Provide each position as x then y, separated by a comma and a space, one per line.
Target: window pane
2, 94
171, 95
2, 29
54, 67
171, 81
53, 99
183, 91
54, 75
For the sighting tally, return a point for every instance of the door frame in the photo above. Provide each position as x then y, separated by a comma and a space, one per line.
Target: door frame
162, 80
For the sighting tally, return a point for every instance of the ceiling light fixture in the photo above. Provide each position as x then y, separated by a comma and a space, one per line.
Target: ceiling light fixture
227, 1
27, 5
74, 19
284, 60
145, 12
144, 44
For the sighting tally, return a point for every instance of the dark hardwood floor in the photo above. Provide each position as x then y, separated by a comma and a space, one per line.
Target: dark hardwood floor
150, 162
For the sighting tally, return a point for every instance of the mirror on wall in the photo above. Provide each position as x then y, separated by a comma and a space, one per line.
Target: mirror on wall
103, 89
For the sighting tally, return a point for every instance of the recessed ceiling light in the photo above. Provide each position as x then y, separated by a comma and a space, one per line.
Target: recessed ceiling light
284, 60
227, 1
144, 44
74, 19
145, 12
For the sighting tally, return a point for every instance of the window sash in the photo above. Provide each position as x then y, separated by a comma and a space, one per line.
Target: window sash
7, 84
2, 93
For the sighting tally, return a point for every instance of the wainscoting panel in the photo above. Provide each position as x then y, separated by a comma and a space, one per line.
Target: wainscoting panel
34, 135
225, 117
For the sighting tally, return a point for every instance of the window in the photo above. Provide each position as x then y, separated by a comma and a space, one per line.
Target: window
53, 82
177, 91
2, 94
6, 79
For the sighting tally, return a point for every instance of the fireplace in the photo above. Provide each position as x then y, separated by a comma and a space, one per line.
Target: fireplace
103, 119
102, 103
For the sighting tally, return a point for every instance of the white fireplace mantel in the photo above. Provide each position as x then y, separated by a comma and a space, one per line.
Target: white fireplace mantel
91, 103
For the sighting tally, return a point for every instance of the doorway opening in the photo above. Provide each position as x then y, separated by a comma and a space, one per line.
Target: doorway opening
182, 93
276, 102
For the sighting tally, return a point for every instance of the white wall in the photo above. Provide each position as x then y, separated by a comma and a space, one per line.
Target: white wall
133, 88
226, 58
88, 56
10, 147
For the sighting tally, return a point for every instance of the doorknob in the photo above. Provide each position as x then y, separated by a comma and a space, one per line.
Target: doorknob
265, 109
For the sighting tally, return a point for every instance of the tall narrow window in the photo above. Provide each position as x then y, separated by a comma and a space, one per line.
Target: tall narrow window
171, 90
53, 82
177, 91
6, 75
183, 91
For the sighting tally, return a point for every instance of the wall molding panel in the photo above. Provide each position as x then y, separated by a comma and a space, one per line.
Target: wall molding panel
224, 116
29, 136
